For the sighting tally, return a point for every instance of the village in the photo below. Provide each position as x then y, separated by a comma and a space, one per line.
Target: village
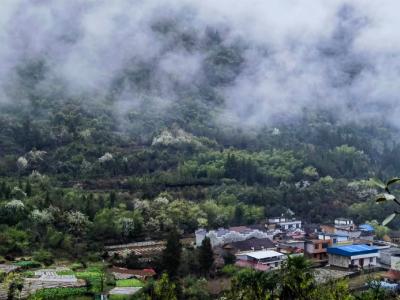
342, 249
339, 250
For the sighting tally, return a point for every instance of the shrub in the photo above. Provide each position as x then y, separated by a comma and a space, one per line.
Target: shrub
229, 259
65, 272
230, 270
76, 266
2, 276
28, 264
93, 279
29, 274
43, 256
57, 293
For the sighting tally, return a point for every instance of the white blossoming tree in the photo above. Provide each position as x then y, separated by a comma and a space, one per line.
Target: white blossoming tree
77, 222
106, 157
22, 163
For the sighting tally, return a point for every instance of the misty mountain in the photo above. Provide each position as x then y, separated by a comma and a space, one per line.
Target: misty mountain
135, 117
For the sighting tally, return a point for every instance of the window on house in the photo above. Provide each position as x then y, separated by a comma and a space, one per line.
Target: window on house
316, 246
371, 259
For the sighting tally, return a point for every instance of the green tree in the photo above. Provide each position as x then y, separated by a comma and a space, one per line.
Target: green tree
238, 215
333, 290
249, 284
171, 256
15, 283
28, 188
195, 289
380, 230
47, 199
206, 256
164, 289
132, 261
13, 240
43, 256
112, 198
296, 278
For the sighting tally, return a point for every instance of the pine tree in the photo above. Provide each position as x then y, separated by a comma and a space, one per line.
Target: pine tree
238, 215
171, 256
132, 261
28, 188
206, 256
231, 166
7, 194
90, 207
164, 289
3, 188
100, 200
47, 200
113, 199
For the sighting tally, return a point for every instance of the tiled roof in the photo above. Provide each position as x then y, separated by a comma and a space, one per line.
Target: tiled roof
240, 229
394, 234
253, 243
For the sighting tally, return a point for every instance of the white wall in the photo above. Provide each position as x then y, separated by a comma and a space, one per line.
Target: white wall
338, 260
395, 263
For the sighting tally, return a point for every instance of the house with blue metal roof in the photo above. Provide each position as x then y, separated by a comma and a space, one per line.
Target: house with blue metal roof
352, 256
366, 227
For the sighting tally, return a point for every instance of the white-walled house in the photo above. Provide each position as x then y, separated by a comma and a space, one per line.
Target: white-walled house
350, 256
223, 236
285, 223
344, 223
263, 260
334, 238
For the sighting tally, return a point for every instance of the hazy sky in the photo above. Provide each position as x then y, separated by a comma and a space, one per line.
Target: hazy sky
338, 55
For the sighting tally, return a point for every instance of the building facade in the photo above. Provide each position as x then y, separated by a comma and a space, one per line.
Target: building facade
285, 223
343, 222
317, 249
352, 256
263, 260
334, 238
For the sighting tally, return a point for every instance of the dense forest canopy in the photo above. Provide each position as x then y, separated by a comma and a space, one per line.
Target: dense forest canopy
119, 121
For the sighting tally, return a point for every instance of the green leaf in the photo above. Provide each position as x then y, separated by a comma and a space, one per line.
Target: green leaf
384, 197
377, 183
393, 180
388, 219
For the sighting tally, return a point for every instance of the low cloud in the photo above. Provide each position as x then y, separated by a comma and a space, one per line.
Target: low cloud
339, 56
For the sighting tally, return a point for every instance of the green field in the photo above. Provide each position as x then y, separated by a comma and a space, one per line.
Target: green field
129, 283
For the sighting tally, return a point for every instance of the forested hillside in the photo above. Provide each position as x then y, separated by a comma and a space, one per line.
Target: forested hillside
163, 120
75, 172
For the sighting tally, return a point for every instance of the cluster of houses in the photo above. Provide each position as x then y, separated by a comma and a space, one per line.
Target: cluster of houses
341, 245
